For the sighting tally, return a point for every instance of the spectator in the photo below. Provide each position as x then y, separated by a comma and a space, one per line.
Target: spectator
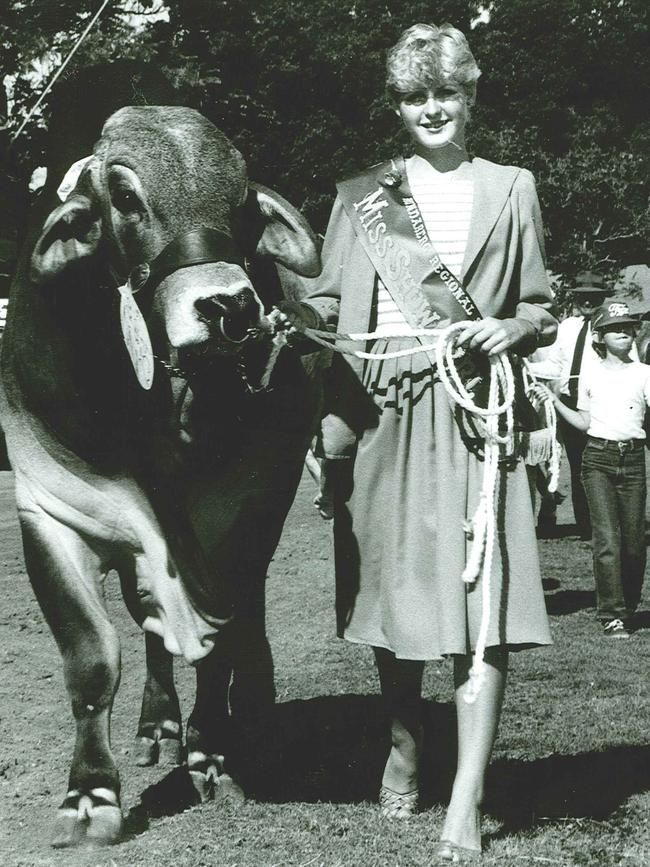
612, 402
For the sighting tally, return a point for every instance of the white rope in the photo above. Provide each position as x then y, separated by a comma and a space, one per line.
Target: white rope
330, 340
542, 399
482, 526
52, 81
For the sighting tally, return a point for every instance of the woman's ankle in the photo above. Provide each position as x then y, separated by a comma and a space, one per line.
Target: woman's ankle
401, 770
462, 824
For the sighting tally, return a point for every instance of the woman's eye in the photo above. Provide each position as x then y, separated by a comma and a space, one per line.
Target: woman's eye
417, 98
447, 93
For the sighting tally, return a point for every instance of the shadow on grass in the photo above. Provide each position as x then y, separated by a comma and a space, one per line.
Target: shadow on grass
171, 795
557, 531
642, 620
570, 601
334, 748
590, 785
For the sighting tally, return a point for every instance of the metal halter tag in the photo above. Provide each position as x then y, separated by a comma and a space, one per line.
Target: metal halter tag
134, 329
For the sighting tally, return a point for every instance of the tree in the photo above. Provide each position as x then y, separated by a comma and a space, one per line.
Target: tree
34, 39
558, 99
298, 86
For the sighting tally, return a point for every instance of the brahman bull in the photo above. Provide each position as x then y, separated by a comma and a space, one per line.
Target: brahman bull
148, 449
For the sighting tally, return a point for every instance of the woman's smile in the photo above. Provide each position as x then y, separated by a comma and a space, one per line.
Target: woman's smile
434, 125
434, 117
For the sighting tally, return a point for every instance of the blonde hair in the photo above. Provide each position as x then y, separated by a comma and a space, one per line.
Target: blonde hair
426, 55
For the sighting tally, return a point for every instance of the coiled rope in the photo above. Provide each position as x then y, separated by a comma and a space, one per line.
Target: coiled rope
482, 526
496, 425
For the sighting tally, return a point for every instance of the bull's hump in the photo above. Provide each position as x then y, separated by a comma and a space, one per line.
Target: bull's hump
180, 143
163, 120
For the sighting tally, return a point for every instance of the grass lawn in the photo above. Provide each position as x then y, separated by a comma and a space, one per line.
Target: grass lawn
569, 783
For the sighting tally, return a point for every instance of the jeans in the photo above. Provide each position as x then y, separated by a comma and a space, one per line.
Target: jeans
613, 476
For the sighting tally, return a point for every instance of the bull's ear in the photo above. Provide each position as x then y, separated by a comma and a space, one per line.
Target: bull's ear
70, 235
286, 235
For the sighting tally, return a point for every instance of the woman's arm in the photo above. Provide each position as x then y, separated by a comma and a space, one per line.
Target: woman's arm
533, 324
323, 293
535, 303
320, 300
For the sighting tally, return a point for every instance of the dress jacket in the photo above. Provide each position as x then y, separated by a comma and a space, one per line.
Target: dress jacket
504, 273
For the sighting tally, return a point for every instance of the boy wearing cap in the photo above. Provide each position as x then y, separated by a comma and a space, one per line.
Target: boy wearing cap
611, 408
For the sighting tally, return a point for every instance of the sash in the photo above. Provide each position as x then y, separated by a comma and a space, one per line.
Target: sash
388, 223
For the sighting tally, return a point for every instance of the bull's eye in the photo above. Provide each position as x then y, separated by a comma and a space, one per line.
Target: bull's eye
125, 200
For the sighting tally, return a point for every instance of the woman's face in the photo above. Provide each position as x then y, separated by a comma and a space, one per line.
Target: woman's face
434, 117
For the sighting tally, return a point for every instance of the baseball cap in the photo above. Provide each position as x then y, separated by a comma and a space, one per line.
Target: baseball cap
613, 313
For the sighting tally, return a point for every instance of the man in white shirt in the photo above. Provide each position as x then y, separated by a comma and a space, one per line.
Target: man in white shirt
562, 364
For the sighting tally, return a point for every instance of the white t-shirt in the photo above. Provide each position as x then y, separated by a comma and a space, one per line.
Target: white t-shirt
554, 362
616, 398
446, 206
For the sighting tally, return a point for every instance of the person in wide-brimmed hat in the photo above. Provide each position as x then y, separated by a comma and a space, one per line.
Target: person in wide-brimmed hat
611, 408
564, 364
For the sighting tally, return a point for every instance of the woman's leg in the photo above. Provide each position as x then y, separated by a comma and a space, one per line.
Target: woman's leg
401, 688
477, 729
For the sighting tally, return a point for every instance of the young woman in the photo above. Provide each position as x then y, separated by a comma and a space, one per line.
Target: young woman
412, 475
611, 409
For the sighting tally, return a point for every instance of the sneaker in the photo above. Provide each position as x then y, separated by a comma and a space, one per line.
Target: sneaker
616, 629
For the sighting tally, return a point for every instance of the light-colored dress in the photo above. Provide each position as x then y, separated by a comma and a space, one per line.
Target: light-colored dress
401, 545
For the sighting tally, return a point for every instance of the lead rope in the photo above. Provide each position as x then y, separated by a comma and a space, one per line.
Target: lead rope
542, 399
481, 528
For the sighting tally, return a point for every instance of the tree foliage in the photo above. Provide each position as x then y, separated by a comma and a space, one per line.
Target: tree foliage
298, 86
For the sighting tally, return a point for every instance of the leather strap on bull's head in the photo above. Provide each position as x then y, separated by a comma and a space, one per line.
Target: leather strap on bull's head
265, 226
198, 247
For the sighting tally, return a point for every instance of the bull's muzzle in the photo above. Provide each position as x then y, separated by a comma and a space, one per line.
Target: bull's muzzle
235, 315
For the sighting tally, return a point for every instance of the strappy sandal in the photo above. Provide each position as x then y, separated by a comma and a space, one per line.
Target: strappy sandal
395, 805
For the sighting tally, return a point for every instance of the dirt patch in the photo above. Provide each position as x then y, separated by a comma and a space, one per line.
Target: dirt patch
568, 783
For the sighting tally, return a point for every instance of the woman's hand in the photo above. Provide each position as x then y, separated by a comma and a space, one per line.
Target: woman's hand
291, 318
491, 335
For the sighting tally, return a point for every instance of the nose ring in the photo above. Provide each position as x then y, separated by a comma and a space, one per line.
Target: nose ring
227, 336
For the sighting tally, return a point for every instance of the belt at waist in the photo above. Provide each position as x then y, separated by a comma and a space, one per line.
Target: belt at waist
620, 445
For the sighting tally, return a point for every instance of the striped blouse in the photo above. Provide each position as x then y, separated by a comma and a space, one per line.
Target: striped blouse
446, 206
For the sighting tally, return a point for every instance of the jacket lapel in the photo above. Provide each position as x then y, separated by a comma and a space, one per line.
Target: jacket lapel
492, 185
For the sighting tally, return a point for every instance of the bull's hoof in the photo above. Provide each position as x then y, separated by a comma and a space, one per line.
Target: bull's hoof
210, 781
92, 819
167, 752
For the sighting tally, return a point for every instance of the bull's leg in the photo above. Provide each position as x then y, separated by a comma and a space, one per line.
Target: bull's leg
66, 577
159, 730
252, 692
159, 737
209, 727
